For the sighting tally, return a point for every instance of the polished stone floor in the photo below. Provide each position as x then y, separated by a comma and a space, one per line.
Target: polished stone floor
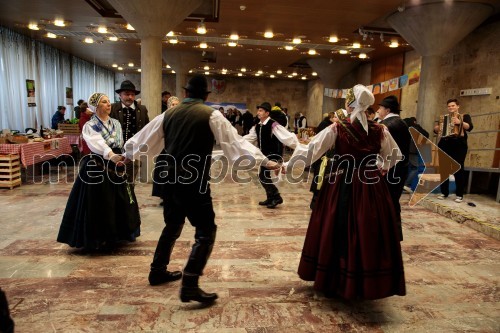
452, 272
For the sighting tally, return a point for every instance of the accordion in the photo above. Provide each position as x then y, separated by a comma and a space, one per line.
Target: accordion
447, 128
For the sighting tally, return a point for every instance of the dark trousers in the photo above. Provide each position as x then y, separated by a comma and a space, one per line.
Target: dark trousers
457, 149
267, 183
181, 201
396, 178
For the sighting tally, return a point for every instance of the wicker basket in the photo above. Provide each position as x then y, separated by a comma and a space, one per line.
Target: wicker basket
17, 139
69, 128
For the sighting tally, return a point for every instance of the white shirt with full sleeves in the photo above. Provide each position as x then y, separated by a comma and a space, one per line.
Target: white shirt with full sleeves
281, 133
325, 140
150, 140
95, 141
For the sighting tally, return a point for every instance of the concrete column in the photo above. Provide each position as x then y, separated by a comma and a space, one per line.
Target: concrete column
151, 77
180, 81
330, 73
433, 29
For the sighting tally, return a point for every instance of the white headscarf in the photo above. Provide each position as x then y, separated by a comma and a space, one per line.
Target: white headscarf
363, 98
94, 100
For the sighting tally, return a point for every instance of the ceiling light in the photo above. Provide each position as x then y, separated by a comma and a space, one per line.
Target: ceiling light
314, 74
114, 65
33, 26
51, 35
138, 69
257, 74
102, 30
279, 71
394, 44
59, 23
130, 64
243, 69
272, 76
356, 45
207, 73
296, 41
190, 71
173, 41
343, 51
268, 34
206, 68
170, 34
120, 68
290, 76
232, 44
113, 38
234, 37
362, 56
201, 29
173, 72
88, 40
167, 66
224, 71
333, 39
295, 74
259, 71
203, 45
311, 52
304, 78
240, 74
288, 47
129, 27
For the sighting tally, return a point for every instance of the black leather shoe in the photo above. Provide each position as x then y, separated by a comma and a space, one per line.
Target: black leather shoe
158, 277
265, 202
196, 294
275, 202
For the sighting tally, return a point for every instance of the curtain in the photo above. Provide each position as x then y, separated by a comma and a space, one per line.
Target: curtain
22, 58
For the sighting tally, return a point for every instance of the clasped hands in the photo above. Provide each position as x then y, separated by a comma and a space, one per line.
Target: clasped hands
277, 167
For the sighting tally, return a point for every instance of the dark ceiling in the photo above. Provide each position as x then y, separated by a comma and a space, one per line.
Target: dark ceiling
314, 21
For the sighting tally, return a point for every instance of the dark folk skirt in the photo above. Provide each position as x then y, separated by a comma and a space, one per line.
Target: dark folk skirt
352, 246
101, 209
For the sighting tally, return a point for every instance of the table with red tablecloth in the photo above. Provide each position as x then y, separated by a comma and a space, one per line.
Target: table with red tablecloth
35, 152
75, 139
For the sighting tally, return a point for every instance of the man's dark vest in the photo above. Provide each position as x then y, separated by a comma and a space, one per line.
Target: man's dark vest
401, 134
268, 143
189, 140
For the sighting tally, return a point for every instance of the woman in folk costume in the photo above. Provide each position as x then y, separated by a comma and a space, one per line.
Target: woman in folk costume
102, 208
352, 246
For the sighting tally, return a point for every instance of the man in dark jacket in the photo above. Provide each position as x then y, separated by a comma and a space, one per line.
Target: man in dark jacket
132, 116
388, 112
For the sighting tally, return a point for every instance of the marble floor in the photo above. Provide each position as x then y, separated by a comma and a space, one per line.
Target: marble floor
452, 272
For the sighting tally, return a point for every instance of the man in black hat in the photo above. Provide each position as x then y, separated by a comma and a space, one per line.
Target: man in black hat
132, 116
388, 112
270, 137
187, 134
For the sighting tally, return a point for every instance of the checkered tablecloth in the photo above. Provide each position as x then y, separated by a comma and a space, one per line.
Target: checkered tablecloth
75, 139
34, 152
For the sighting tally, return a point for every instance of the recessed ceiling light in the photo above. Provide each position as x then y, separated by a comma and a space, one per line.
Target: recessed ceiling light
297, 41
234, 37
295, 74
362, 55
173, 72
173, 41
268, 34
290, 76
51, 35
288, 47
102, 30
201, 29
129, 27
206, 68
207, 73
232, 44
138, 69
304, 78
333, 39
356, 45
203, 45
272, 76
314, 74
257, 74
113, 38
190, 71
243, 69
260, 72
167, 66
240, 74
114, 65
311, 52
120, 68
343, 51
170, 34
33, 26
130, 64
59, 23
394, 44
279, 71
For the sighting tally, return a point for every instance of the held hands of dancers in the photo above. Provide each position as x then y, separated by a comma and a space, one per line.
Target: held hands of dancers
117, 159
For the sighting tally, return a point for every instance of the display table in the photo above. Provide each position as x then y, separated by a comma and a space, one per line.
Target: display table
75, 139
35, 152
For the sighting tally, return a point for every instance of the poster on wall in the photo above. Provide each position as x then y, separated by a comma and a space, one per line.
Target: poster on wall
414, 77
242, 107
69, 96
218, 86
30, 88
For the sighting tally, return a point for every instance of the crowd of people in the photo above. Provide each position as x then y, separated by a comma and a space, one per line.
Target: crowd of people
352, 244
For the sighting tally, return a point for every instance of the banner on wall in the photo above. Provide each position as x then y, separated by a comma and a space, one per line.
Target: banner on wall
69, 96
242, 107
381, 87
30, 88
218, 86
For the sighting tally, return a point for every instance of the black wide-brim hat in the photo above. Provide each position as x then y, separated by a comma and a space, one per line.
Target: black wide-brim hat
266, 106
390, 102
198, 84
127, 85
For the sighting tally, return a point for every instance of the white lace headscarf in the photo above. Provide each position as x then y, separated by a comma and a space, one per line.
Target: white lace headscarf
363, 98
94, 100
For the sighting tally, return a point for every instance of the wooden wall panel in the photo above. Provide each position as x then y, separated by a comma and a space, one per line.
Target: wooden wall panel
385, 69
